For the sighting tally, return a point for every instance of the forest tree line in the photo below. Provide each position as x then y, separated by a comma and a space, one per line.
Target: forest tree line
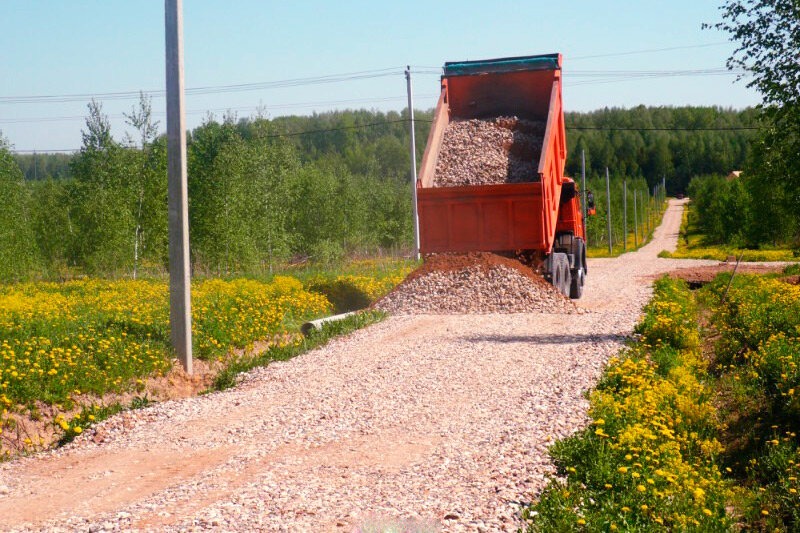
263, 191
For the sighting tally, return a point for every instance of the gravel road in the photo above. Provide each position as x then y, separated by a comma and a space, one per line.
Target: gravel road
442, 421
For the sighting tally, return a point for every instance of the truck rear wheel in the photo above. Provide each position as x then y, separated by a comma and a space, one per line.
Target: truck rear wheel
576, 287
579, 272
560, 275
567, 277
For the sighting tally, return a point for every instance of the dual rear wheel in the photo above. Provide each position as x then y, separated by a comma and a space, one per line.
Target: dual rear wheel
568, 278
561, 276
579, 270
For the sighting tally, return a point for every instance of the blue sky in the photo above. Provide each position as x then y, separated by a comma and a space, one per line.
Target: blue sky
88, 47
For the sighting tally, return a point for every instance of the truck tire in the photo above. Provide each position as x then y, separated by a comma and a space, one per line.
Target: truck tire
577, 247
578, 280
579, 272
554, 273
559, 273
567, 277
562, 277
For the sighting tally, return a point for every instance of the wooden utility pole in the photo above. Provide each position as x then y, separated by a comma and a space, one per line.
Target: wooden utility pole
180, 308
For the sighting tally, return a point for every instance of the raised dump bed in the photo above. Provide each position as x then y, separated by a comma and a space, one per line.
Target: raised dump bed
492, 177
469, 212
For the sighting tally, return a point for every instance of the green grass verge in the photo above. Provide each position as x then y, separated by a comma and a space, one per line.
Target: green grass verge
695, 427
648, 462
632, 242
693, 245
617, 248
754, 340
65, 344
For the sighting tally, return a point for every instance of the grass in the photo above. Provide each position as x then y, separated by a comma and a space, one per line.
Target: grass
756, 357
648, 461
632, 243
692, 244
64, 347
617, 248
695, 423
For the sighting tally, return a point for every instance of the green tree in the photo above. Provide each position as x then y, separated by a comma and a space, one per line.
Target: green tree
52, 225
103, 218
216, 205
269, 168
767, 33
18, 255
147, 185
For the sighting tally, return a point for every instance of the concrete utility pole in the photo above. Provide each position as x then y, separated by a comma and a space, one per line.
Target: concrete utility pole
608, 213
625, 214
413, 149
180, 308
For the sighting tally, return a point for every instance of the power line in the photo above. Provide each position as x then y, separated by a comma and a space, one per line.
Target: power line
651, 50
643, 75
647, 73
316, 80
224, 109
617, 54
45, 151
601, 128
604, 76
272, 135
343, 128
211, 89
405, 120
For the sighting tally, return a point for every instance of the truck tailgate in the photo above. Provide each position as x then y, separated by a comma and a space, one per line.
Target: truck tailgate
482, 218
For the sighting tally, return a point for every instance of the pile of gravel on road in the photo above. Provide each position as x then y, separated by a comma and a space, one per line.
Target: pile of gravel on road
475, 283
489, 151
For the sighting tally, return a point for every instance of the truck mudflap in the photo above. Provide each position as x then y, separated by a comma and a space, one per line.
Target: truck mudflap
483, 218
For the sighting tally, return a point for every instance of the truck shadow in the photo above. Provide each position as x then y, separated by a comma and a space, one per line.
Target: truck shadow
570, 338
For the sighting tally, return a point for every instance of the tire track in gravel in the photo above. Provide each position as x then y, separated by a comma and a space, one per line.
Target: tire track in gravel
440, 419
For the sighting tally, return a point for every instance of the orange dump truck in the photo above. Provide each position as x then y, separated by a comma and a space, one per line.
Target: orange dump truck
539, 220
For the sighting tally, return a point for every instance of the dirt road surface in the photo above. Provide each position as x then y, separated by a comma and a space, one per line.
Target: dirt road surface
442, 421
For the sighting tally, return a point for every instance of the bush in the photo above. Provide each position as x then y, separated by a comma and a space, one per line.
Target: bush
649, 460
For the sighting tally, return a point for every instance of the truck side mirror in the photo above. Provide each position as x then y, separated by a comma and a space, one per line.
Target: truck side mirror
590, 209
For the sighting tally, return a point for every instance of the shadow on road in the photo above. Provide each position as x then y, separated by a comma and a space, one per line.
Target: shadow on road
569, 338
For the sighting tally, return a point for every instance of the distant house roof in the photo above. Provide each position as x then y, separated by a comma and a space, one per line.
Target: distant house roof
734, 174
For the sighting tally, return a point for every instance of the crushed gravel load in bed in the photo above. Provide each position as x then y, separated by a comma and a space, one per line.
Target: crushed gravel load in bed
477, 282
489, 151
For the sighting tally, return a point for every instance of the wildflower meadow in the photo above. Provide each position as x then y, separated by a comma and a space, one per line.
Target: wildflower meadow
63, 346
695, 423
